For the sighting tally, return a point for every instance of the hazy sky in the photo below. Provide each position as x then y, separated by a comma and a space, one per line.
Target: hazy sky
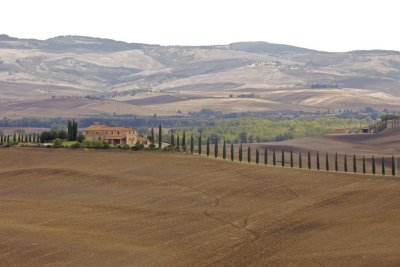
332, 25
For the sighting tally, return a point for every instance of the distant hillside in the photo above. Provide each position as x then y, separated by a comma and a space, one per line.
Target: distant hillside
281, 76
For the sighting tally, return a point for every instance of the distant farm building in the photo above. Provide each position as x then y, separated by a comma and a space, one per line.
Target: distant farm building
113, 135
341, 131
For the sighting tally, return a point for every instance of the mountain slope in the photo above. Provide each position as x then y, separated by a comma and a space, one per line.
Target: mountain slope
104, 68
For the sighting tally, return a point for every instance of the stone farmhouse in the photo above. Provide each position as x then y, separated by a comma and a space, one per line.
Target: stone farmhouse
113, 135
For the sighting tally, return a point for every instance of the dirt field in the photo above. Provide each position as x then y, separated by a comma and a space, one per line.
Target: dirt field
99, 208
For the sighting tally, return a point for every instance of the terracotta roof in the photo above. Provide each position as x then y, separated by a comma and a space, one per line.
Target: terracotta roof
99, 127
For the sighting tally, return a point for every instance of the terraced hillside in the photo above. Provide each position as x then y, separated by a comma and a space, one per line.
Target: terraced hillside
101, 208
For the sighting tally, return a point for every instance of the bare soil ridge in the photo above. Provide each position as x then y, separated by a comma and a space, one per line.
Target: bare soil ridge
66, 207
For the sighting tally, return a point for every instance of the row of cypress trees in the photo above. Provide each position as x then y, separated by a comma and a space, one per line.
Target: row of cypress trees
19, 138
182, 143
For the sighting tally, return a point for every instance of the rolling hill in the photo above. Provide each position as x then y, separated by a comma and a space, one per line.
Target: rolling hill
282, 77
94, 208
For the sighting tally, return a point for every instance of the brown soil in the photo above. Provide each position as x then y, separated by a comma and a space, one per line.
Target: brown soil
102, 208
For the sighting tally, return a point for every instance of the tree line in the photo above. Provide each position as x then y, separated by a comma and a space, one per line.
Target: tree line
319, 163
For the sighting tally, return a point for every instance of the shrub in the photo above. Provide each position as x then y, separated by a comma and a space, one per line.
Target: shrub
125, 146
58, 142
139, 146
76, 145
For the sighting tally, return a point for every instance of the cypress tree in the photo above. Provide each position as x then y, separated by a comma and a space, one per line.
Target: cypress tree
159, 136
240, 152
208, 147
224, 150
336, 162
265, 156
172, 139
152, 136
257, 156
30, 138
34, 138
364, 167
300, 163
232, 152
1, 139
373, 165
177, 142
327, 161
75, 130
19, 138
69, 128
309, 160
184, 141
354, 164
345, 163
383, 166
318, 165
273, 157
8, 139
291, 158
283, 158
393, 166
216, 149
199, 145
15, 138
191, 144
248, 154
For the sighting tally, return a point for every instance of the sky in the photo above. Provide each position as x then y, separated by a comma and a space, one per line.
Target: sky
328, 25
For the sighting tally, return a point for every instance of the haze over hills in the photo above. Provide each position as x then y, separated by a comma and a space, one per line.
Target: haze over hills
145, 79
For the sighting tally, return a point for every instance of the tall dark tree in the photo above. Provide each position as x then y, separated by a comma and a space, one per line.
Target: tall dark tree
265, 156
224, 150
216, 149
354, 164
363, 166
240, 152
159, 136
309, 160
345, 163
172, 139
152, 136
19, 138
191, 144
208, 147
291, 158
383, 166
184, 141
373, 165
248, 154
300, 163
326, 162
69, 128
393, 166
257, 156
318, 163
199, 144
274, 157
75, 123
336, 163
8, 139
232, 152
283, 158
177, 142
